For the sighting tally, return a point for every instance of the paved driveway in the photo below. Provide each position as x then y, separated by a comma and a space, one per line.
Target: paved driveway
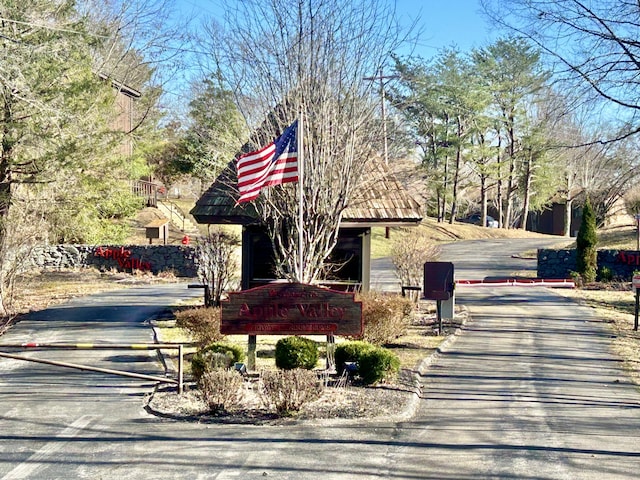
529, 390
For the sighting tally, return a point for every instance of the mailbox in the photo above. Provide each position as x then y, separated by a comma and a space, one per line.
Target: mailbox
438, 280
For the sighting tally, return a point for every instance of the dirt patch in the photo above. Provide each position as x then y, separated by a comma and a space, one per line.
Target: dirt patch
336, 402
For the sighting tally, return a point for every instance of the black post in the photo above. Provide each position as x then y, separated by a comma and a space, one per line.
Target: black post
439, 310
207, 296
635, 321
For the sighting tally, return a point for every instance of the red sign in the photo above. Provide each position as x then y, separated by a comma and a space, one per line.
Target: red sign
291, 309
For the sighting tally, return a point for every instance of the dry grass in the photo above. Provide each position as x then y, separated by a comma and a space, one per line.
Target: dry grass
39, 290
623, 237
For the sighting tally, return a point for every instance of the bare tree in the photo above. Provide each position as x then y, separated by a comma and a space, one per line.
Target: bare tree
218, 264
291, 58
593, 45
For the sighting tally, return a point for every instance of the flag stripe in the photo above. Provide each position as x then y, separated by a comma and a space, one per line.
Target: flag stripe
256, 175
273, 164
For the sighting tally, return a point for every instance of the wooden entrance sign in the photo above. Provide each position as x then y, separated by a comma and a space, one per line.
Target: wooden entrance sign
291, 309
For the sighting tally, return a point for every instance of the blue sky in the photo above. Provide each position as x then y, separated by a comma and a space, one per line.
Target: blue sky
443, 22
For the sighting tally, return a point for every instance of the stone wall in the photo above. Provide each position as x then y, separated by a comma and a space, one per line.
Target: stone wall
179, 259
619, 264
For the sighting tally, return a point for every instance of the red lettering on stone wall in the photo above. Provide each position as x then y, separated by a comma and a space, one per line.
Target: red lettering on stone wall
628, 258
123, 257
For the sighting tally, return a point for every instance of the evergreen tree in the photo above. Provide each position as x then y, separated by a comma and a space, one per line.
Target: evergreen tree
587, 240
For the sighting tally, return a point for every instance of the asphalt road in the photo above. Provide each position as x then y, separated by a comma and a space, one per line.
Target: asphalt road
528, 390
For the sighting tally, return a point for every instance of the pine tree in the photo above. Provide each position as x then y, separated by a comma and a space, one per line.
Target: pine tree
587, 240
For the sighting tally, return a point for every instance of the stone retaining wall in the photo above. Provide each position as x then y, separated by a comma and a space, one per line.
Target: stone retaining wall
179, 259
616, 264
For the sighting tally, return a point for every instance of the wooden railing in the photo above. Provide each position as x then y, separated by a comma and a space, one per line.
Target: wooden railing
146, 190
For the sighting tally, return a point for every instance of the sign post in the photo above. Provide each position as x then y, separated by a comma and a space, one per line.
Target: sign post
635, 283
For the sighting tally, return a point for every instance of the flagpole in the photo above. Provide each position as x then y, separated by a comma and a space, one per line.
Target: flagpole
301, 197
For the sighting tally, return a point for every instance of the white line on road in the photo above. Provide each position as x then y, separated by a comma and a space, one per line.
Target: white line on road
26, 468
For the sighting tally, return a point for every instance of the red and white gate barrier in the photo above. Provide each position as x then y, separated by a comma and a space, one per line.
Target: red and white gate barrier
519, 282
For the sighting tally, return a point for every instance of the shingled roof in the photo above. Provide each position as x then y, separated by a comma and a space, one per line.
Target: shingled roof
381, 200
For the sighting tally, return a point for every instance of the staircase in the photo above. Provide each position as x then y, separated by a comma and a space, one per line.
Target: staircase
178, 219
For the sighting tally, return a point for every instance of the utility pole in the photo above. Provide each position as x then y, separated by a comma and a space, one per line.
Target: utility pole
383, 101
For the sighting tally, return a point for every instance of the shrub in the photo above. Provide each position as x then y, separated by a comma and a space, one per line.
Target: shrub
214, 357
350, 352
586, 245
605, 274
218, 262
378, 364
288, 390
410, 252
222, 390
203, 324
386, 317
296, 352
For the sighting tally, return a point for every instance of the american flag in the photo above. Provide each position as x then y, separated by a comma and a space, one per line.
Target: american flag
272, 165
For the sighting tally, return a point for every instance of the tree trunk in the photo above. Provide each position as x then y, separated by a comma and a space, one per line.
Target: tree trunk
511, 177
527, 192
456, 173
483, 197
499, 199
568, 206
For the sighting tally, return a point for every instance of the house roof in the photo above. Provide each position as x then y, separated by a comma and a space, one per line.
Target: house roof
121, 87
380, 200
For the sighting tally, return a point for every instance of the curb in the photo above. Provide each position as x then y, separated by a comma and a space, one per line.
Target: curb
424, 365
414, 389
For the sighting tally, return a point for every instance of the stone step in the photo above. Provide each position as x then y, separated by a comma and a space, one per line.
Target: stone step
178, 220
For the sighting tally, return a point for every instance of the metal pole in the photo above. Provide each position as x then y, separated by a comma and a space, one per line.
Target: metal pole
180, 370
90, 369
96, 346
635, 320
301, 198
439, 312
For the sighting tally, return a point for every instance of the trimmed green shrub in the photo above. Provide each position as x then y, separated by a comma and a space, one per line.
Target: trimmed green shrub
296, 352
218, 355
288, 390
350, 352
586, 245
378, 364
